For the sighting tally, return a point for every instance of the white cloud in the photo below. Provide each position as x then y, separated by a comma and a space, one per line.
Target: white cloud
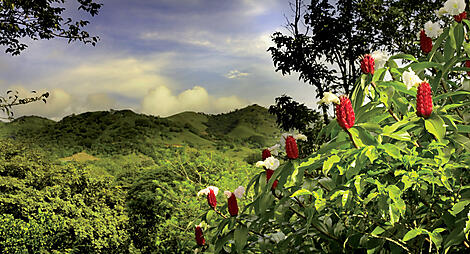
100, 101
162, 102
236, 74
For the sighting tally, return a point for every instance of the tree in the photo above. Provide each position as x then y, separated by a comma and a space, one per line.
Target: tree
42, 20
322, 35
39, 20
291, 115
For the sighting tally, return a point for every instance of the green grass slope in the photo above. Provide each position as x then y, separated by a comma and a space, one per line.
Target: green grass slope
124, 131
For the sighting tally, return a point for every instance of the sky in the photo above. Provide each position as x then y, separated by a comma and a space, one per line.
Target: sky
159, 57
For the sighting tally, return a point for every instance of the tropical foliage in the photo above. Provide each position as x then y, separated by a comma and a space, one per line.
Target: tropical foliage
393, 178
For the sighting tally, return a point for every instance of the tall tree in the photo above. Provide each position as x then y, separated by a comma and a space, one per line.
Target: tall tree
42, 19
325, 39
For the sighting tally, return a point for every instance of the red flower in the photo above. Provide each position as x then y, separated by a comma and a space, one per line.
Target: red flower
460, 17
467, 64
345, 113
424, 100
269, 173
367, 64
425, 42
291, 148
211, 199
232, 205
266, 154
199, 236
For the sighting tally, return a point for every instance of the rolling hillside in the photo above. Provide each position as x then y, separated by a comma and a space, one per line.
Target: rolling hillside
121, 132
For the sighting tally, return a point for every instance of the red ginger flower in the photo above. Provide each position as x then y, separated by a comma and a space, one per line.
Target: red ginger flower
425, 42
460, 17
424, 100
291, 148
269, 173
345, 113
266, 154
467, 64
211, 192
232, 200
367, 64
199, 236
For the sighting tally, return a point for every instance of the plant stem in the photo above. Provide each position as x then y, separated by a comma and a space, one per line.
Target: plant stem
219, 213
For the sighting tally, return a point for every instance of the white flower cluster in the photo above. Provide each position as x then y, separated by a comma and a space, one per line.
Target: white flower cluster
433, 30
329, 98
269, 163
238, 192
380, 58
452, 7
207, 190
410, 79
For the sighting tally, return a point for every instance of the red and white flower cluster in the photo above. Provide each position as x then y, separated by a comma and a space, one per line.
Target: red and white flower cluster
433, 30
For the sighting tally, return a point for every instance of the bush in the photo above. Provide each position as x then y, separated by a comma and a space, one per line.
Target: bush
397, 181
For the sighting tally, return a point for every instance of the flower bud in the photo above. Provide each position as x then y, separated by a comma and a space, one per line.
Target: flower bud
269, 173
291, 148
424, 100
199, 236
425, 42
232, 205
367, 64
460, 17
345, 113
211, 199
266, 154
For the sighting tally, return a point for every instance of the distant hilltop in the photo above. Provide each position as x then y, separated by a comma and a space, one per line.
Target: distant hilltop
118, 131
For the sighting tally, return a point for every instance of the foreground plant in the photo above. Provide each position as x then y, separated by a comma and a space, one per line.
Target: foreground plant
393, 179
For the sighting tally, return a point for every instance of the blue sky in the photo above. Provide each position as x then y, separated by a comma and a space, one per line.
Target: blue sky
160, 57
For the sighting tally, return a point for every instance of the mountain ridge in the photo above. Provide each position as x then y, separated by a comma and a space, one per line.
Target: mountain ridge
124, 131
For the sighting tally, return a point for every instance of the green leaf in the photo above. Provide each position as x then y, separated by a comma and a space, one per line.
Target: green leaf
412, 234
435, 126
403, 56
449, 94
459, 35
300, 193
344, 199
400, 135
378, 230
391, 150
240, 235
463, 128
328, 164
457, 208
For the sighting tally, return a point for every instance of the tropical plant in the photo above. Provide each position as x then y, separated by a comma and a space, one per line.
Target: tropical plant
394, 178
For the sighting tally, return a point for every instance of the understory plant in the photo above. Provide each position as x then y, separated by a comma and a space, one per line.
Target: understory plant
393, 178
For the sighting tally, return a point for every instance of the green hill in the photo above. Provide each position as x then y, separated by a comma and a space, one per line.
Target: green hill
124, 131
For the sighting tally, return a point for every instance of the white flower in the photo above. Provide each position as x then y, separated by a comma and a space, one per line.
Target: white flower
271, 163
259, 164
440, 12
410, 79
380, 58
454, 7
432, 30
329, 98
227, 193
207, 190
239, 191
300, 137
275, 149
